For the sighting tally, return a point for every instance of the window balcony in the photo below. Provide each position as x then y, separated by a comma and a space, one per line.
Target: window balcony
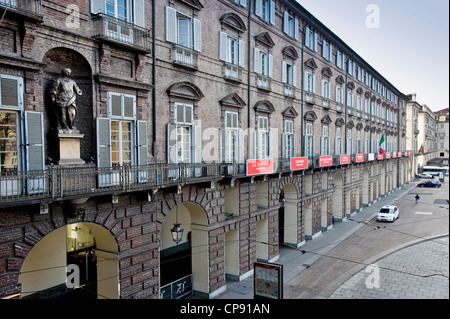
338, 107
185, 57
263, 82
310, 98
289, 90
23, 8
326, 103
232, 72
122, 33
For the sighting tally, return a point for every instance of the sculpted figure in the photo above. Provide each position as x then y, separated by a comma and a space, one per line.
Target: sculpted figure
63, 95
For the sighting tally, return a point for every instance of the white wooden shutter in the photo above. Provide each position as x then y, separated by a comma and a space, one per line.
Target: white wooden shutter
294, 75
272, 12
316, 38
223, 46
284, 145
34, 147
197, 35
296, 29
270, 153
139, 13
172, 152
314, 84
97, 6
306, 36
270, 60
104, 150
256, 60
258, 8
241, 149
283, 72
223, 146
243, 3
286, 22
197, 144
142, 150
241, 53
171, 25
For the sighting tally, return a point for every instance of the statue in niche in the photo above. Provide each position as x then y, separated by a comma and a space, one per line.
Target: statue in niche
63, 94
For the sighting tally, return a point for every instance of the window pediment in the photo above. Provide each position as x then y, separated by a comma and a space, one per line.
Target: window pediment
310, 116
264, 106
196, 4
326, 119
232, 100
234, 21
310, 63
290, 52
185, 90
351, 85
290, 112
265, 39
326, 71
340, 79
359, 126
350, 125
339, 122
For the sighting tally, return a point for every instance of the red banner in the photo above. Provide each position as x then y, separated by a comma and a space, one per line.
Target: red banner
299, 163
345, 159
380, 156
399, 154
359, 158
388, 154
259, 166
326, 161
394, 154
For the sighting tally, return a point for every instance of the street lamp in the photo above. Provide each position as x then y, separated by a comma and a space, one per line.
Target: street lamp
177, 231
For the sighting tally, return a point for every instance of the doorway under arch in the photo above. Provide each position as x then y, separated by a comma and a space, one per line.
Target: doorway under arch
190, 257
338, 198
91, 247
365, 190
288, 215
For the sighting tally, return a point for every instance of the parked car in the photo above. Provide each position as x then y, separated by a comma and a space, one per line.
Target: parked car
425, 175
388, 213
430, 184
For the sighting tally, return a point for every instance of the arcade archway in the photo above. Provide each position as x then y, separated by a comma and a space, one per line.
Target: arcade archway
90, 247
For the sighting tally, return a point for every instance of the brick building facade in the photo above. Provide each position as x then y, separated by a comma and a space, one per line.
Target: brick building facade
177, 96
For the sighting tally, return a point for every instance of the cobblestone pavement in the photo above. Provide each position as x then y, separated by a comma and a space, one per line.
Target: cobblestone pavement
417, 271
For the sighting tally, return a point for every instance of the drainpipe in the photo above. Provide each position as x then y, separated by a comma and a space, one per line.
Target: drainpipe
302, 151
248, 77
154, 80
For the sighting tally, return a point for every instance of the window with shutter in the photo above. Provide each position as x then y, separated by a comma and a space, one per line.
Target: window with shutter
34, 133
183, 30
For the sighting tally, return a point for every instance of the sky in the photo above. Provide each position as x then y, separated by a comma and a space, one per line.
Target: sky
406, 41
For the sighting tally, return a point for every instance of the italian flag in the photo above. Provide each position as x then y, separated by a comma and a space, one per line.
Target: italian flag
421, 149
382, 147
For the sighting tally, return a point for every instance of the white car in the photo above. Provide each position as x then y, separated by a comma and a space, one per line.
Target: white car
425, 175
388, 213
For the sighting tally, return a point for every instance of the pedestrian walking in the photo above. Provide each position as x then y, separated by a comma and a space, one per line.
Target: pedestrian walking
417, 198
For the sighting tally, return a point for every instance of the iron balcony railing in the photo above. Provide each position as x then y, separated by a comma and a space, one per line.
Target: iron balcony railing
31, 8
121, 32
57, 182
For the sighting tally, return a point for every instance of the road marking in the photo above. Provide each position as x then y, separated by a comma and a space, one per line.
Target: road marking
423, 213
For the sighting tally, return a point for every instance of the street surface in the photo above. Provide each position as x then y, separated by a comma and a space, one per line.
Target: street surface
363, 258
428, 218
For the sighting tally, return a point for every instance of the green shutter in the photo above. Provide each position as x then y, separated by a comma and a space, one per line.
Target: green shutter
34, 148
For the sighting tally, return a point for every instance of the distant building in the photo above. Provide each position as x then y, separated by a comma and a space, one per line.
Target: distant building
442, 132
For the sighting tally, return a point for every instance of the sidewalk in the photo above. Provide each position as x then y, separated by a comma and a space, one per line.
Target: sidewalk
294, 261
